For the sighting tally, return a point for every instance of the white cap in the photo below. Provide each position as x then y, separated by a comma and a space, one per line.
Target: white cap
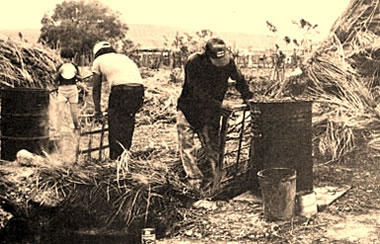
100, 45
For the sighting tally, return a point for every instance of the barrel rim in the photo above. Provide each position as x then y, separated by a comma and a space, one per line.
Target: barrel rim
148, 229
282, 102
24, 89
24, 138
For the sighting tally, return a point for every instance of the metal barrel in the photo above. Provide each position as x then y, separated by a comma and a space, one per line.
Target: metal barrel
282, 138
24, 121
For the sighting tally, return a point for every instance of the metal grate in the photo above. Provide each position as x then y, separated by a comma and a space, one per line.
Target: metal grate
91, 135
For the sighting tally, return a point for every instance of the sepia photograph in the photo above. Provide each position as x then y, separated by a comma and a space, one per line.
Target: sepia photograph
190, 122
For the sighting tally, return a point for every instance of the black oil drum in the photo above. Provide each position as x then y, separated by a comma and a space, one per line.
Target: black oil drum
282, 138
24, 121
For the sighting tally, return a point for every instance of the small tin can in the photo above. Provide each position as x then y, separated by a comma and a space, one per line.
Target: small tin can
148, 236
307, 204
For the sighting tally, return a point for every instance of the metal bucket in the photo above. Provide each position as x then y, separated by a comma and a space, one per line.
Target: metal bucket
24, 121
278, 189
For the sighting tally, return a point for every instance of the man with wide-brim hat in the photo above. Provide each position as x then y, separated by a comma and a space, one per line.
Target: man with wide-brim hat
200, 109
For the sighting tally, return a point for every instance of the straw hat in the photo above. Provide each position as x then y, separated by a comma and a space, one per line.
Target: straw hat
217, 51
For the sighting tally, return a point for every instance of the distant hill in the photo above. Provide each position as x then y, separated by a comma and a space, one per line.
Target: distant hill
152, 36
30, 35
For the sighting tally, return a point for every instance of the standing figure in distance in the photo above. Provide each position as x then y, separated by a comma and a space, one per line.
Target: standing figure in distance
66, 78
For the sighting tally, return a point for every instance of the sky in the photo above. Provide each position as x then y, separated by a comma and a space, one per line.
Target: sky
247, 16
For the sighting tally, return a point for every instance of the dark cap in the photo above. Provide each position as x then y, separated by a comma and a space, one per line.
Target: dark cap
216, 48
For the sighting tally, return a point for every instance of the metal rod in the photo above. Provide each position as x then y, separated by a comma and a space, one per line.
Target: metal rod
101, 139
241, 138
93, 149
223, 134
78, 146
90, 142
94, 131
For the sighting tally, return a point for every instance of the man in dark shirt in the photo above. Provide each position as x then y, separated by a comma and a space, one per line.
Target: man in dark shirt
200, 109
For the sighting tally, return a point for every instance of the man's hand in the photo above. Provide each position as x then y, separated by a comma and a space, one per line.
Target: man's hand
82, 86
98, 117
247, 96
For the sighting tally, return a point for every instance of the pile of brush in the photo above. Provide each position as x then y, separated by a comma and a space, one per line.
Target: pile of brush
159, 105
128, 194
341, 75
26, 65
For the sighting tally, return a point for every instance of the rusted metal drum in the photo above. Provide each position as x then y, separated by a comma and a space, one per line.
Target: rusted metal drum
24, 121
282, 138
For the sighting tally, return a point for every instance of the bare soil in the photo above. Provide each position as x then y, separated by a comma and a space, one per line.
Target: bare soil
352, 218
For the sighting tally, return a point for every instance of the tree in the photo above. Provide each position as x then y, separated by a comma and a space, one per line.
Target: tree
79, 24
188, 44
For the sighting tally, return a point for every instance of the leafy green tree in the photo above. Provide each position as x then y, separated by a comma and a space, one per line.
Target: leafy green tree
79, 24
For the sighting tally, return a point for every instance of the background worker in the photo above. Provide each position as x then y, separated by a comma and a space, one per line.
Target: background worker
67, 78
200, 109
126, 94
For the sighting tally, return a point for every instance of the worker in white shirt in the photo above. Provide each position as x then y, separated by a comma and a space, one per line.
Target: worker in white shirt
126, 97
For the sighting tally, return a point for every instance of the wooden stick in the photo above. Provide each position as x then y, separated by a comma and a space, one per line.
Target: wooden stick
101, 139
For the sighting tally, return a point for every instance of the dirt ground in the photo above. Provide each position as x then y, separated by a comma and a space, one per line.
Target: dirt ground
352, 218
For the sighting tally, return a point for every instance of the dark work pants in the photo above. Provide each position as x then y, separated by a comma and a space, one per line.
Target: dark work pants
124, 102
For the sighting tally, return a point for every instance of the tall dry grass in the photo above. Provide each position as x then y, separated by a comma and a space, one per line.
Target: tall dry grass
347, 114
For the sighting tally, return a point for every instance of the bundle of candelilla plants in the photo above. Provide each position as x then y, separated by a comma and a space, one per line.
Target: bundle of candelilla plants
138, 190
24, 64
159, 104
344, 90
